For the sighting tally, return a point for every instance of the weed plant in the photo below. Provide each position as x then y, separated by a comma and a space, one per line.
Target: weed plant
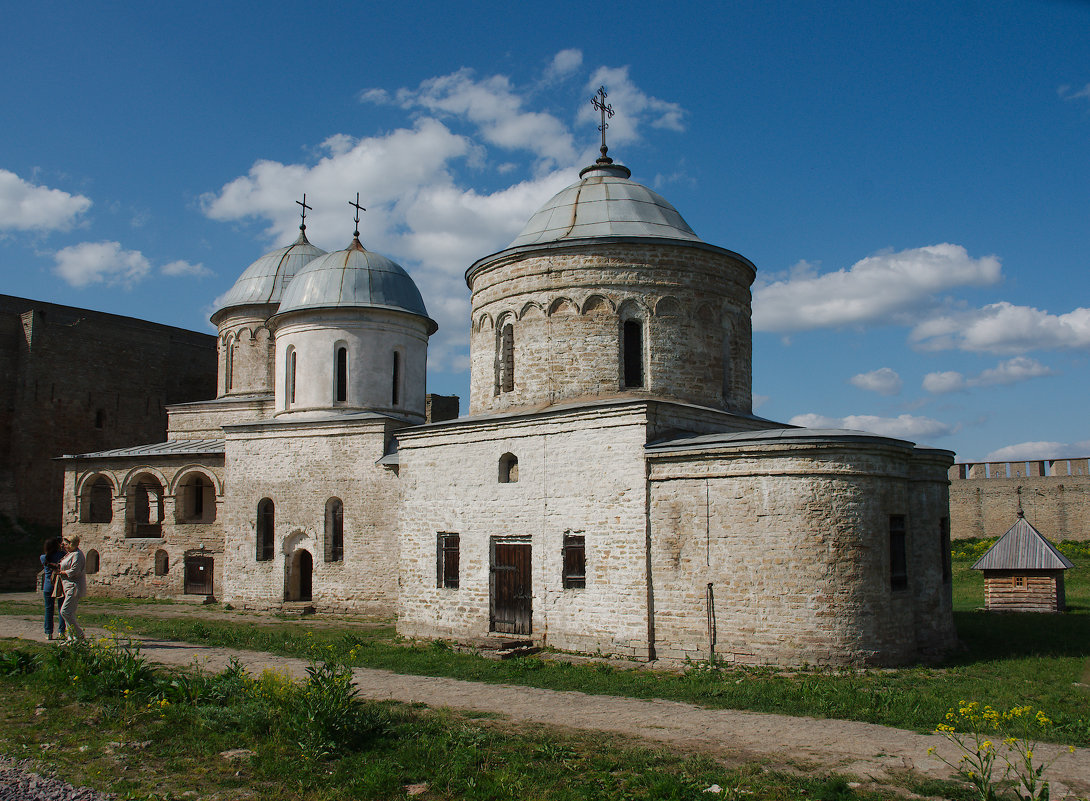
315, 739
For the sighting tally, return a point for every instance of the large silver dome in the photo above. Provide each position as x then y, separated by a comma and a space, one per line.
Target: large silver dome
354, 278
604, 202
263, 282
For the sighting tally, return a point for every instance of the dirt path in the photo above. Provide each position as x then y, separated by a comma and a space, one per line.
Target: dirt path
866, 750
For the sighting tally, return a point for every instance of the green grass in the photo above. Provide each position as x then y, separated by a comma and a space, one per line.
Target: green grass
1006, 660
141, 744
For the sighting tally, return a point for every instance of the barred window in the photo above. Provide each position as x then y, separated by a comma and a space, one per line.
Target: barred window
447, 555
575, 561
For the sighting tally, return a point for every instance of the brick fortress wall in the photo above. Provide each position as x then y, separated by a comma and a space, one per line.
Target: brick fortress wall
1054, 494
78, 381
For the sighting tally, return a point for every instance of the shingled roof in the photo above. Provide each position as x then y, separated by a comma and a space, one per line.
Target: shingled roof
1023, 548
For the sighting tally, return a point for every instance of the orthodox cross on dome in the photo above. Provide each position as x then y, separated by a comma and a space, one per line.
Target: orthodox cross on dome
359, 208
303, 225
599, 102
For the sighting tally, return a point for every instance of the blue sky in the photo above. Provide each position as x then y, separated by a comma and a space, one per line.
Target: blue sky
912, 180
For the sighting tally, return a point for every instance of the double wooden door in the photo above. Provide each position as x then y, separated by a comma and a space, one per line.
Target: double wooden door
511, 589
198, 575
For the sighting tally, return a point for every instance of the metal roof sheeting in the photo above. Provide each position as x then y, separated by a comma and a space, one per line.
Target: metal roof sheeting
1023, 548
173, 447
771, 436
353, 278
604, 203
263, 282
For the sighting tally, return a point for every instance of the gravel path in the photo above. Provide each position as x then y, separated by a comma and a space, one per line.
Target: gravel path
866, 750
19, 782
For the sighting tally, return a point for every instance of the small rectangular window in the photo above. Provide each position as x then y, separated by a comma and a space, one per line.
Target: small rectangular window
447, 554
898, 558
632, 347
575, 561
944, 545
1020, 582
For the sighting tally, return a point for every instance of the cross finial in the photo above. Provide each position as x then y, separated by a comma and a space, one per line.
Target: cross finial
599, 102
359, 208
303, 224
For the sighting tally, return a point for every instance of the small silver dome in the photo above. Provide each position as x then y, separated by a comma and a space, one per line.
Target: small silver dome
604, 202
353, 278
263, 282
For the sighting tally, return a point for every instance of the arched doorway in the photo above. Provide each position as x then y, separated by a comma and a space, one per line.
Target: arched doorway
300, 573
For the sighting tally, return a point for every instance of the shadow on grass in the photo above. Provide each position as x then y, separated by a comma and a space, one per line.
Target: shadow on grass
999, 635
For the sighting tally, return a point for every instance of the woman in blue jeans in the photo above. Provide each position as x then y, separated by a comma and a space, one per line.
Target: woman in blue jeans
51, 558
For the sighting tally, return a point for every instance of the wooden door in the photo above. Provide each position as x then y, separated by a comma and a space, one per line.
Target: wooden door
511, 590
198, 575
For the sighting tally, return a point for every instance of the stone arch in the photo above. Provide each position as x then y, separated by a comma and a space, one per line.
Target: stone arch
136, 472
632, 309
299, 575
531, 310
162, 562
244, 333
668, 307
705, 313
84, 481
263, 335
598, 304
485, 322
184, 472
562, 306
96, 498
145, 491
91, 562
195, 490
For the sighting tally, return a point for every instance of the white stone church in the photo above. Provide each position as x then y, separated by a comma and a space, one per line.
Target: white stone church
609, 491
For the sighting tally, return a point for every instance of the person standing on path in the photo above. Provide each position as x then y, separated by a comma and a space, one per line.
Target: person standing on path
51, 558
74, 583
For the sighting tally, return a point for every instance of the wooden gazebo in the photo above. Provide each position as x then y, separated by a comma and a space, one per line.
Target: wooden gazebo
1023, 572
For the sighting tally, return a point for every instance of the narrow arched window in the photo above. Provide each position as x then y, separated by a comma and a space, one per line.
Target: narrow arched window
509, 468
505, 360
229, 365
340, 376
266, 520
289, 378
162, 563
334, 530
92, 562
395, 388
632, 353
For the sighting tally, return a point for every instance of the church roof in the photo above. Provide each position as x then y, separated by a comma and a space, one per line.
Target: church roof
354, 278
172, 447
1023, 548
604, 202
263, 282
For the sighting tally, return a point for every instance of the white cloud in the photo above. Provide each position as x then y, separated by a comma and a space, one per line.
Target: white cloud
1012, 371
494, 107
905, 426
176, 268
100, 263
564, 63
1067, 93
886, 287
632, 106
1004, 328
27, 207
1030, 451
884, 381
759, 401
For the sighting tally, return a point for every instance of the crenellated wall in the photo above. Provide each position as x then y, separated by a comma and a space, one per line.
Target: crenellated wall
1054, 494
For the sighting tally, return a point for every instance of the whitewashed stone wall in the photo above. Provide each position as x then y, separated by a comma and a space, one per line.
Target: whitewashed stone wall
245, 351
127, 563
567, 307
794, 541
300, 466
205, 419
371, 336
581, 472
